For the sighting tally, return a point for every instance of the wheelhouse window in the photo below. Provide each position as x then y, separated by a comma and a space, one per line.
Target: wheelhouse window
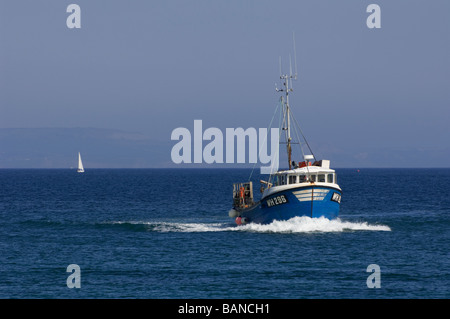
330, 178
321, 178
302, 178
292, 179
312, 178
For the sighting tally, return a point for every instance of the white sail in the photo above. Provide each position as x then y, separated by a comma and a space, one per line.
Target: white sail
80, 164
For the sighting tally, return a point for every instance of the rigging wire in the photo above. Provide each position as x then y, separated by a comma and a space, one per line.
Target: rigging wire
265, 139
304, 138
297, 129
277, 154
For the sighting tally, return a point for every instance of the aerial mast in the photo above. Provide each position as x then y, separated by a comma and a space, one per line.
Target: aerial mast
287, 87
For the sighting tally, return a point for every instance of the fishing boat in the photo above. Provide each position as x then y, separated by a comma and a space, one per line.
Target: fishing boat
80, 164
307, 187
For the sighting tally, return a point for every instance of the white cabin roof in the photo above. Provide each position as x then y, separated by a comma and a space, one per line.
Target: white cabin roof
325, 168
306, 170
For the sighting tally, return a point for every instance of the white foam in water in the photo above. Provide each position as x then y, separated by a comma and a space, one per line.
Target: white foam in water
188, 227
308, 225
294, 225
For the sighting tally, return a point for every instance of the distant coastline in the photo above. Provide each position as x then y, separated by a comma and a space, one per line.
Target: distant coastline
110, 148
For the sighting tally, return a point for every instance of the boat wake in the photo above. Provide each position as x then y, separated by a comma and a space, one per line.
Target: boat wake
311, 225
294, 225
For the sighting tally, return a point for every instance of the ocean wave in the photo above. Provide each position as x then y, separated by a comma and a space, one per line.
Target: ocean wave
293, 225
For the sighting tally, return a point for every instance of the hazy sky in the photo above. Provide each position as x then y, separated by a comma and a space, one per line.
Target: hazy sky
153, 66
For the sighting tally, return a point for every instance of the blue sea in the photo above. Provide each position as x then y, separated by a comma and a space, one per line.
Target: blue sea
166, 234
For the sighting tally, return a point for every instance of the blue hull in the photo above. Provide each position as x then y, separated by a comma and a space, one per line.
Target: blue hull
311, 201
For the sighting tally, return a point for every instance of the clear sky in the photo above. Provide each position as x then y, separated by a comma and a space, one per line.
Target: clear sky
152, 66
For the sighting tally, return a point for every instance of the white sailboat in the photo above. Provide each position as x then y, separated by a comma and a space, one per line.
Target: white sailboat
80, 164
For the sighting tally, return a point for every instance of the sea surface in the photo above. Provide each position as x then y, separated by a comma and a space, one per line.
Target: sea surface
165, 233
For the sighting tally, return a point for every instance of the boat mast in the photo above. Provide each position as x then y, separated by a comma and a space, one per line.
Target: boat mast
285, 80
